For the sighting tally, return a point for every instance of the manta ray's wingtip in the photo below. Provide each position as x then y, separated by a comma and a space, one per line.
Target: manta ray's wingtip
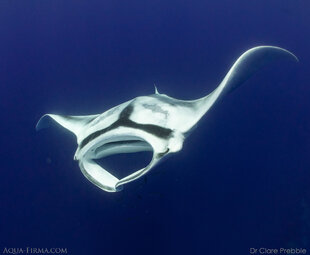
289, 53
42, 123
277, 49
294, 56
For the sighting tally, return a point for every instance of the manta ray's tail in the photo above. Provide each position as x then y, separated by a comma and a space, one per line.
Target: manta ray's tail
245, 66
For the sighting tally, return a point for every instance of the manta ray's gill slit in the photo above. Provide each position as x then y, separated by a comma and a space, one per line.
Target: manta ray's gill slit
122, 165
126, 122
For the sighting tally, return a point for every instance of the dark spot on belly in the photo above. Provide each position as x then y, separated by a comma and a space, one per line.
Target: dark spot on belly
124, 121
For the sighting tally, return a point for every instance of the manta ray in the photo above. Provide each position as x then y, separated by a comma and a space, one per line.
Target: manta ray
157, 122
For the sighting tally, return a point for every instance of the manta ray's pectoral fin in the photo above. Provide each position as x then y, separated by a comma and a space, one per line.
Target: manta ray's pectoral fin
72, 123
155, 159
250, 62
98, 176
245, 66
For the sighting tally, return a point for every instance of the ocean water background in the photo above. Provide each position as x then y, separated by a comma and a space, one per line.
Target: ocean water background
242, 179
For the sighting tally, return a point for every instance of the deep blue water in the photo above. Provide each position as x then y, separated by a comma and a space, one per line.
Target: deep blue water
242, 179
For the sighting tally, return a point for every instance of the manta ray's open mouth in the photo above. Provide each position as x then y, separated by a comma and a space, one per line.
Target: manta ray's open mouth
122, 165
107, 162
118, 144
123, 157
